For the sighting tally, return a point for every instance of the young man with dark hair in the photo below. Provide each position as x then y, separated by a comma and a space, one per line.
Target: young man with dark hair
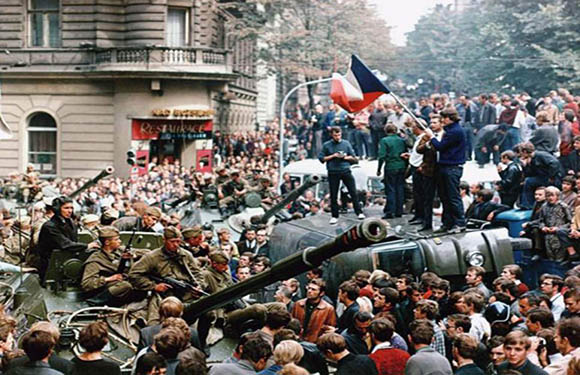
348, 292
275, 321
333, 347
551, 285
480, 327
38, 346
572, 303
428, 310
391, 149
539, 318
464, 352
388, 360
313, 312
254, 357
426, 360
474, 279
567, 340
356, 335
514, 273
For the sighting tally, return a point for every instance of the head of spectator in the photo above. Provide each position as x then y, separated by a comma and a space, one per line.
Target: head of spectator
381, 330
361, 278
332, 346
151, 364
435, 123
464, 349
440, 290
151, 216
362, 321
426, 309
550, 284
552, 194
169, 342
496, 352
38, 345
335, 133
421, 333
516, 346
246, 259
474, 302
457, 324
542, 118
257, 351
261, 264
224, 235
48, 327
277, 319
239, 349
182, 326
348, 292
7, 328
292, 369
402, 282
243, 273
539, 318
288, 351
315, 290
94, 337
414, 292
314, 273
526, 302
191, 366
386, 299
170, 307
567, 338
474, 276
261, 236
512, 272
572, 301
449, 115
285, 334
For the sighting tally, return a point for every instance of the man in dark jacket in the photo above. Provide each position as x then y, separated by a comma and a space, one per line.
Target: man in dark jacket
546, 137
391, 148
60, 232
540, 169
489, 140
487, 112
38, 346
510, 185
450, 169
377, 122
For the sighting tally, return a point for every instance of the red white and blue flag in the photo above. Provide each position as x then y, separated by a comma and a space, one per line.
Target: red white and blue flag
358, 88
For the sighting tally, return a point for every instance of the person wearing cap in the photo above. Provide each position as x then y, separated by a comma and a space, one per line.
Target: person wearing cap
222, 176
101, 279
265, 190
195, 243
109, 215
168, 261
60, 232
90, 223
449, 170
146, 223
232, 191
18, 241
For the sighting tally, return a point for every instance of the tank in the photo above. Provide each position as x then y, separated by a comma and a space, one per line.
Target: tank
104, 173
363, 234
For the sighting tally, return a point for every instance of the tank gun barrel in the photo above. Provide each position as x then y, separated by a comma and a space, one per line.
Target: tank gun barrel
292, 196
104, 173
363, 234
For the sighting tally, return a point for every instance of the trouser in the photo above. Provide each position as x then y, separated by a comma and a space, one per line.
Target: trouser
426, 190
565, 239
417, 197
317, 142
395, 191
483, 157
334, 183
113, 295
508, 199
362, 147
376, 136
512, 138
468, 130
530, 184
448, 179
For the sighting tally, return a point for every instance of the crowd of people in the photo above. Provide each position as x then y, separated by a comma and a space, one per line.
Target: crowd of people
374, 323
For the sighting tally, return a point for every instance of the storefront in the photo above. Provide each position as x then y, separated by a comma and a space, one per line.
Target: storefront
187, 139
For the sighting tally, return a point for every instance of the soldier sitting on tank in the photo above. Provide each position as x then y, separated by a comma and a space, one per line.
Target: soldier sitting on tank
209, 190
90, 224
484, 208
147, 223
16, 240
195, 243
60, 232
222, 176
266, 193
232, 192
168, 261
102, 277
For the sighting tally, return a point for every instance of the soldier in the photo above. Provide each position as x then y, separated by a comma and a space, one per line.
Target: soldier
147, 223
265, 191
17, 242
167, 261
222, 176
224, 237
233, 191
195, 243
101, 277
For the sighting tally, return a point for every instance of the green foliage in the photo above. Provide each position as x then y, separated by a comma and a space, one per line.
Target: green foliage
494, 45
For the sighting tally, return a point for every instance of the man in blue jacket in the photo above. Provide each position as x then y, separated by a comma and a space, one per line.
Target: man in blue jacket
451, 149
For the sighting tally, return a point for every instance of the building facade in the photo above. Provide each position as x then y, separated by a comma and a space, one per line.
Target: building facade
84, 81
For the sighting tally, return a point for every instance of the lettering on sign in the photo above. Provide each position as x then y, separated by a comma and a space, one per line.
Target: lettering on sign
183, 112
171, 129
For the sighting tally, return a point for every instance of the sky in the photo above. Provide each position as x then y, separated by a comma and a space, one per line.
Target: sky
402, 15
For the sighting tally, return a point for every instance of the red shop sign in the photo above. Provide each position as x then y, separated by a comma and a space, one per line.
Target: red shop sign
171, 129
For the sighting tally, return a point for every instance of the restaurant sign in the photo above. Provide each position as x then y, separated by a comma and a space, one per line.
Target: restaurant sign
171, 129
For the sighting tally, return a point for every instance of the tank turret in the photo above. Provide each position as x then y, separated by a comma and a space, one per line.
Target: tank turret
104, 173
363, 234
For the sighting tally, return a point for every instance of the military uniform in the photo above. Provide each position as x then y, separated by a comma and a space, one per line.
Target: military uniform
130, 223
15, 247
180, 265
229, 189
98, 267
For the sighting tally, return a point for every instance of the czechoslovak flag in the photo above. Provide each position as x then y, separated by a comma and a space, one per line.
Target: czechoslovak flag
358, 88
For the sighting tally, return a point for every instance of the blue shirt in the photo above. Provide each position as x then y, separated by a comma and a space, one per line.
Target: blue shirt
452, 146
336, 165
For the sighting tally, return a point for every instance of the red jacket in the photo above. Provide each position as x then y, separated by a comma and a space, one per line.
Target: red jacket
390, 361
323, 315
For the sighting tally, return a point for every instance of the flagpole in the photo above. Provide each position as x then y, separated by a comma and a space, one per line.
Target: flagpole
407, 110
283, 118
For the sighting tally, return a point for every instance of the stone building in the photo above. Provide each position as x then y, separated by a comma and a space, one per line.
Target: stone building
83, 81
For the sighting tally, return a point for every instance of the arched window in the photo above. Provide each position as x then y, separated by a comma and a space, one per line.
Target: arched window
42, 143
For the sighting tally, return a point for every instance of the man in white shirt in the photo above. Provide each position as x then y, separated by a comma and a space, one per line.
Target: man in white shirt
480, 327
551, 285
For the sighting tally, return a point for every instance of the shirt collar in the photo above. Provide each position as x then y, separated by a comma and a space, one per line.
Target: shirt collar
382, 345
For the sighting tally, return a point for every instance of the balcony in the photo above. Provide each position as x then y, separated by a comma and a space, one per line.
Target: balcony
126, 61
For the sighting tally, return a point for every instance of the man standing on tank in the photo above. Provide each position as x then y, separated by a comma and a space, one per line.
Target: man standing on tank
338, 155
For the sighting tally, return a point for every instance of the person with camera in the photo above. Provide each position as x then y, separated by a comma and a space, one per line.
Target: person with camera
338, 155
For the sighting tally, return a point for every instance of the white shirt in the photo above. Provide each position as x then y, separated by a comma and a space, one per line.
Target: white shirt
479, 326
416, 158
557, 306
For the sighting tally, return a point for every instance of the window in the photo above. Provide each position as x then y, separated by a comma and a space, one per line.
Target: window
42, 143
44, 23
177, 32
